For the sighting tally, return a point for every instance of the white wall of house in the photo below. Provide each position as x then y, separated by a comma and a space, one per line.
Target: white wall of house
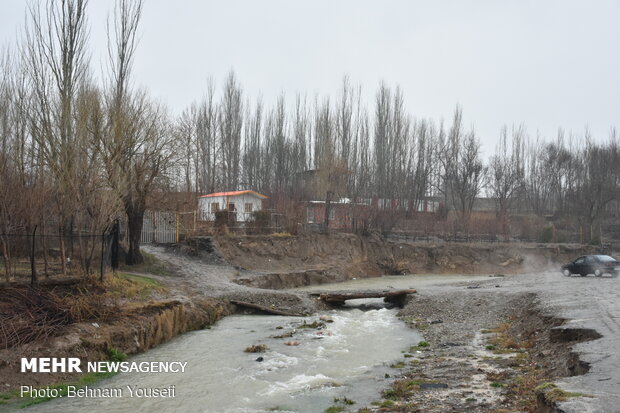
245, 204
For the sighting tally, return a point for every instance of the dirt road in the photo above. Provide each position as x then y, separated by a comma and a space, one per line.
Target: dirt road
196, 277
586, 303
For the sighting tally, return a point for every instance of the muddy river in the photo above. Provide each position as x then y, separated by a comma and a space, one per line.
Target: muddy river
349, 357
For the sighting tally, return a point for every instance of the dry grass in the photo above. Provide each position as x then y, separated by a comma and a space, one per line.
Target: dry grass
131, 286
30, 314
151, 265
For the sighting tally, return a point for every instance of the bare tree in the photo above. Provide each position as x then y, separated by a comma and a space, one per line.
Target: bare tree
55, 49
230, 123
137, 144
463, 169
506, 173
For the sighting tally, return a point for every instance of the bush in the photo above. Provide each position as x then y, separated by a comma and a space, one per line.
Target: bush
547, 234
224, 219
260, 223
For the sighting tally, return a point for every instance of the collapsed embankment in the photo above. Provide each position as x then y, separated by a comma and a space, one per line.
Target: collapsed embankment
291, 261
484, 351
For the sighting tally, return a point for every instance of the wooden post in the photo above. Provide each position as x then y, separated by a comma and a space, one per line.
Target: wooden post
33, 265
102, 264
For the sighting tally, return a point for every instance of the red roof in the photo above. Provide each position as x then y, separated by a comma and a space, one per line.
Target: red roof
234, 193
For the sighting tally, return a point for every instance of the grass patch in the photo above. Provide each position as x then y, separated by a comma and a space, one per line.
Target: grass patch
545, 386
281, 234
555, 394
124, 285
151, 265
344, 400
401, 389
422, 345
398, 365
116, 355
497, 384
334, 409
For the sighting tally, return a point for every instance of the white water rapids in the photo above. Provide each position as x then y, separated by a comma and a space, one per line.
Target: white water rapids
347, 358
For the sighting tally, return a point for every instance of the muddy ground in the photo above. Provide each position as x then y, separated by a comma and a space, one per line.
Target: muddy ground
454, 373
288, 262
486, 349
456, 319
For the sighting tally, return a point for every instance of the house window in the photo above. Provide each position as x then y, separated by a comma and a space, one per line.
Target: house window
332, 214
231, 206
215, 206
248, 207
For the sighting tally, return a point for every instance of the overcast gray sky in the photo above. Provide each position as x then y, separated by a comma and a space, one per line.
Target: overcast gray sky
542, 63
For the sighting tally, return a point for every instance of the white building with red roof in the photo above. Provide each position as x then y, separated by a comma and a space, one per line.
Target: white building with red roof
243, 203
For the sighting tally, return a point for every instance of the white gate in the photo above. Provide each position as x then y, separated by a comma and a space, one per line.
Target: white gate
159, 227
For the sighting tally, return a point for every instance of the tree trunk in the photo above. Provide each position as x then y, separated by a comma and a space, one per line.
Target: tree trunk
328, 200
45, 258
63, 253
33, 264
134, 226
7, 261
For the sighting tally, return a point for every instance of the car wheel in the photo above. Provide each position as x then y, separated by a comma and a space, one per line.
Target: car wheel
566, 273
598, 273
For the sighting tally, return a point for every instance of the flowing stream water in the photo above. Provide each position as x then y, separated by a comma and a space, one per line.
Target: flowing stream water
348, 357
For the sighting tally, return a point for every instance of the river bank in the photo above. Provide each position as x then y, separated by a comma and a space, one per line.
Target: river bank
488, 351
205, 277
127, 319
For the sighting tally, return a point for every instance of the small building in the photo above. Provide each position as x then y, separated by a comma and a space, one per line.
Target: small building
242, 203
342, 213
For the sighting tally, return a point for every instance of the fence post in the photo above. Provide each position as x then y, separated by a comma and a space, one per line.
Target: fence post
33, 266
102, 264
114, 246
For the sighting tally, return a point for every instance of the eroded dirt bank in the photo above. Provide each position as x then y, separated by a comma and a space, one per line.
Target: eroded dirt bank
207, 274
288, 262
484, 351
130, 332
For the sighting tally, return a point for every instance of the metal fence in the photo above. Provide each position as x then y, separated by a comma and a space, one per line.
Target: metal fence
31, 257
160, 227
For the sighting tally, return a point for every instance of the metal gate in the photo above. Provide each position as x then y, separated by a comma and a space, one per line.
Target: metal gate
159, 227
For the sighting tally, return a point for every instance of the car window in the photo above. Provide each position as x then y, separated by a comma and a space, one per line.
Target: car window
605, 258
590, 260
580, 260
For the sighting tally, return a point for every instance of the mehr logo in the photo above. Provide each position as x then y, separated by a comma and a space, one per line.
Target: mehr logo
51, 365
72, 365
